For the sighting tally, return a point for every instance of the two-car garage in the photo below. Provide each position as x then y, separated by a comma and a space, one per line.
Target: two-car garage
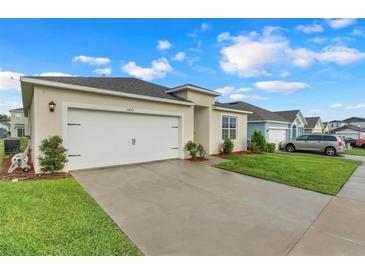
104, 138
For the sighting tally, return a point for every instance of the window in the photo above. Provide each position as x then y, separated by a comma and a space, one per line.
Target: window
20, 132
329, 138
18, 116
314, 138
229, 127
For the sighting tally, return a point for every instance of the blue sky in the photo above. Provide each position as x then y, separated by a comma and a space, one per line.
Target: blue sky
317, 65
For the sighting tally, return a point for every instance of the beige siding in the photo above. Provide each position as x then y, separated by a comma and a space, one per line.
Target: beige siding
48, 124
216, 131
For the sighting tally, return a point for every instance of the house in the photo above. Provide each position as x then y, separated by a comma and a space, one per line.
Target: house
355, 121
355, 132
274, 127
314, 125
325, 127
4, 129
19, 124
113, 121
297, 122
335, 124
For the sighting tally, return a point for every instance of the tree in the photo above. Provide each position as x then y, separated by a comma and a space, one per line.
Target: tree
4, 118
258, 142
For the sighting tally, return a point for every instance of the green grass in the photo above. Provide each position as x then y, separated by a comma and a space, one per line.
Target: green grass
1, 153
317, 173
56, 217
355, 151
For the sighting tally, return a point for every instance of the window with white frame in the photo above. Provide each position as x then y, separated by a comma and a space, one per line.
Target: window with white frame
229, 127
18, 116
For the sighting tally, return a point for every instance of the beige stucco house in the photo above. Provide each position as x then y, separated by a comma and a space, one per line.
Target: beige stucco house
19, 123
115, 121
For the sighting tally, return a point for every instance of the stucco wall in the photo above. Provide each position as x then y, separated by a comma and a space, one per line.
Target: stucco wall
47, 124
201, 126
216, 131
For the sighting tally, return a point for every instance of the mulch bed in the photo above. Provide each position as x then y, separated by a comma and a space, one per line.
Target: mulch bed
198, 159
236, 153
27, 176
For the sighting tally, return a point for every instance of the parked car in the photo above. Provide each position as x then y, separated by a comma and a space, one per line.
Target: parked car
326, 143
360, 143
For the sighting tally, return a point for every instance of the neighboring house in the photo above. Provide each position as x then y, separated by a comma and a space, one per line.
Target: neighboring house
274, 127
335, 124
297, 122
355, 121
325, 127
314, 125
112, 121
4, 129
354, 132
19, 123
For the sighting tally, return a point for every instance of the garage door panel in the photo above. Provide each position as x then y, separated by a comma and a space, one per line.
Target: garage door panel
277, 136
112, 138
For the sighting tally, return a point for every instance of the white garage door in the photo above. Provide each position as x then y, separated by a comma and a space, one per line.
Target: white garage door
98, 138
277, 136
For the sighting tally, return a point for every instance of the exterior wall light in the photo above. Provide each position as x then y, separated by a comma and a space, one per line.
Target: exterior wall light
52, 106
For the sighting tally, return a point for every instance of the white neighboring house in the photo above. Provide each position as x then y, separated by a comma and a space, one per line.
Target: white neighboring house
336, 124
314, 125
19, 124
355, 132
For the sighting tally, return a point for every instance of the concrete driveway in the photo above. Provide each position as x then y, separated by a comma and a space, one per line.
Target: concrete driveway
181, 208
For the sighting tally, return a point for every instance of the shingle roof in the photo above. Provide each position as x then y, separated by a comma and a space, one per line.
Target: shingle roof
224, 105
311, 121
16, 110
119, 84
355, 128
259, 114
354, 119
289, 115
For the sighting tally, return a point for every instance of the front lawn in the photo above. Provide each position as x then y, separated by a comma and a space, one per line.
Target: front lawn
318, 173
56, 217
355, 151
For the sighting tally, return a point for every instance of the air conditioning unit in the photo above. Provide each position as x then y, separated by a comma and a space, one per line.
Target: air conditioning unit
11, 145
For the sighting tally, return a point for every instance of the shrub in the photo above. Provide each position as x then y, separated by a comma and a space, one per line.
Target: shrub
54, 154
192, 148
258, 141
201, 151
227, 146
270, 147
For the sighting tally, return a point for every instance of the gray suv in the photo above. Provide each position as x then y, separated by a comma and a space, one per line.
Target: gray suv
327, 143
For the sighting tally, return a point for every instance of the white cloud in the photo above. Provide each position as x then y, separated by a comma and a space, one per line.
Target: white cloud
281, 86
301, 57
340, 23
94, 61
202, 69
180, 56
204, 27
159, 68
337, 105
9, 80
284, 74
340, 55
358, 106
318, 40
163, 45
103, 71
229, 89
311, 28
246, 57
240, 96
55, 74
224, 36
359, 31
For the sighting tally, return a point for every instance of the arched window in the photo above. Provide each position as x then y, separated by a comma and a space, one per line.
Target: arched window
294, 134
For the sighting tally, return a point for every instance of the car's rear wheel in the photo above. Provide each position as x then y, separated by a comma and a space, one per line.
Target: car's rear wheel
290, 148
330, 151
